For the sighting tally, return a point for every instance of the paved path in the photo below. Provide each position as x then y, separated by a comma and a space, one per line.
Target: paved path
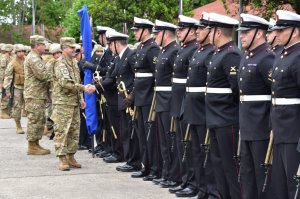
37, 177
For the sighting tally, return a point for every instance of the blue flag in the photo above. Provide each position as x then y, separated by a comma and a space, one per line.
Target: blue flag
90, 99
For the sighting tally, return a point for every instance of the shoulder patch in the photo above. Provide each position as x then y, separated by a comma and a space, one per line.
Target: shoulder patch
64, 71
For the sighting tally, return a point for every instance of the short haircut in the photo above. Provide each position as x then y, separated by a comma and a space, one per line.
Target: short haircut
123, 42
227, 32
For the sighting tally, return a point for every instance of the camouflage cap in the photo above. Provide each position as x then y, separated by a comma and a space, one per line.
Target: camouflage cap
37, 39
68, 41
54, 48
27, 48
7, 47
19, 47
98, 47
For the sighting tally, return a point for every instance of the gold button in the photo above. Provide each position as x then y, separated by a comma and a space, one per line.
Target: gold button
273, 80
241, 91
241, 79
273, 92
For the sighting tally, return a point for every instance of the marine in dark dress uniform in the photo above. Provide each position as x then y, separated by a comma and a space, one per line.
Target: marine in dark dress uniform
194, 114
146, 58
165, 37
186, 34
222, 117
255, 103
286, 106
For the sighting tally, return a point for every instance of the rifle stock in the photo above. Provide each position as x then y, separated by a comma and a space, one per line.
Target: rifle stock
268, 161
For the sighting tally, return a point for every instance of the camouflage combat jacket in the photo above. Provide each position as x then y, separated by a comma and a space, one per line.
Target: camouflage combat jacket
4, 61
36, 77
66, 82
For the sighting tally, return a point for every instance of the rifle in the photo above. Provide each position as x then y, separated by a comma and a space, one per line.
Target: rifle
237, 158
133, 122
151, 117
297, 178
122, 90
268, 161
172, 132
206, 147
186, 140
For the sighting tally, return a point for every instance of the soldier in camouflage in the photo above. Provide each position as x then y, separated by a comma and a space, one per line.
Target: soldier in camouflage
55, 51
66, 100
4, 61
35, 94
14, 84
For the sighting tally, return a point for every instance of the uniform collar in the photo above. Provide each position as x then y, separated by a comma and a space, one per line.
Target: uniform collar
147, 42
68, 60
122, 52
290, 49
258, 49
225, 46
205, 46
171, 44
184, 45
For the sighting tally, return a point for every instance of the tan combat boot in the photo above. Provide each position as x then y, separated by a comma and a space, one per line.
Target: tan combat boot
63, 163
33, 149
19, 127
72, 162
4, 114
41, 148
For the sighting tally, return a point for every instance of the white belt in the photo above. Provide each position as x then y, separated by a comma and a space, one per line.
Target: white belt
285, 101
195, 89
163, 88
218, 90
143, 74
179, 80
249, 98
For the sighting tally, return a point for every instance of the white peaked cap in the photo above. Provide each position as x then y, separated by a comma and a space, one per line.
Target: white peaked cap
114, 35
141, 23
204, 21
184, 21
162, 25
272, 23
251, 22
218, 20
286, 19
103, 29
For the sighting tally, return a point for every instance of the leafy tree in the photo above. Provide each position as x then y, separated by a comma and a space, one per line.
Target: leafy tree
111, 12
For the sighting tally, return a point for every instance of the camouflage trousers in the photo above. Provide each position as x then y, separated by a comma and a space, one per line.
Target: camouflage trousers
18, 103
36, 118
48, 112
4, 101
66, 128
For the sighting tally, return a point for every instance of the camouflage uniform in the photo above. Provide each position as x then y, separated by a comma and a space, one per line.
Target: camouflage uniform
14, 74
49, 124
4, 61
66, 97
35, 94
53, 48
